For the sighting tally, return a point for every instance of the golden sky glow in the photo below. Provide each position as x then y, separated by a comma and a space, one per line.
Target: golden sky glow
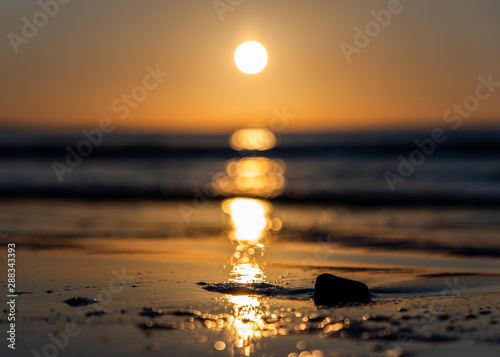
68, 75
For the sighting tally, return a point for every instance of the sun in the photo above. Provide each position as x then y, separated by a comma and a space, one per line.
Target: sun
250, 57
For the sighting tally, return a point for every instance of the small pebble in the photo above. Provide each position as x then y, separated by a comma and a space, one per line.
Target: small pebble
80, 301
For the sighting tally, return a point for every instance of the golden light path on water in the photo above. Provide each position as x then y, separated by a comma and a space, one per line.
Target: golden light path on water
252, 176
253, 139
250, 222
256, 178
249, 219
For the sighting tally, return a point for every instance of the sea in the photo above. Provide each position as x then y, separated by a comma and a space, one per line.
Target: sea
221, 243
398, 168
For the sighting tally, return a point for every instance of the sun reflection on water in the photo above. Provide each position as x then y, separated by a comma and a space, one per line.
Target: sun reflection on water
246, 321
257, 179
250, 221
252, 176
253, 139
246, 273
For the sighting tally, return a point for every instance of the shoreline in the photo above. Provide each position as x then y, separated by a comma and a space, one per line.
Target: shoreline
454, 307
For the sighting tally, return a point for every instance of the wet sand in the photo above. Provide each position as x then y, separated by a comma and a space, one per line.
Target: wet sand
159, 306
149, 300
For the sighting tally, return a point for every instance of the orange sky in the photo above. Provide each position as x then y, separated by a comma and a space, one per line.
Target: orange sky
427, 58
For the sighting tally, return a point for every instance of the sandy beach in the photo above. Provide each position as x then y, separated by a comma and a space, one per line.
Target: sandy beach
145, 292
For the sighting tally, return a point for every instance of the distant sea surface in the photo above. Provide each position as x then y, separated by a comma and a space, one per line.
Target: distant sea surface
346, 168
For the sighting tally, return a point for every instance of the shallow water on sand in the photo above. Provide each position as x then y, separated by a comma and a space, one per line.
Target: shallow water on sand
160, 307
142, 262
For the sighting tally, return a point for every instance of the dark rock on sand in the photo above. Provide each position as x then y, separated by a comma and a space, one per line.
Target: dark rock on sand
80, 301
331, 290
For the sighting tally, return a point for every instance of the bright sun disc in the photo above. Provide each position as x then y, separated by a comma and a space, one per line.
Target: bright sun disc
250, 57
